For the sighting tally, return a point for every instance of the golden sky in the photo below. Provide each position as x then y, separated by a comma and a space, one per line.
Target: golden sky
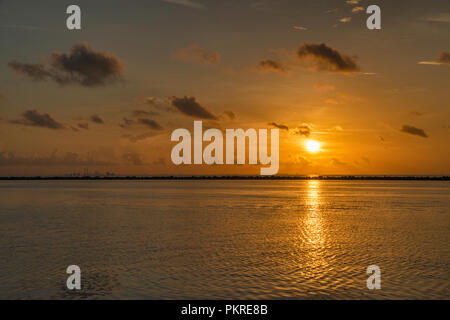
107, 97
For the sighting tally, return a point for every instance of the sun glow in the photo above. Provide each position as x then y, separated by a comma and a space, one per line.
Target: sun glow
312, 146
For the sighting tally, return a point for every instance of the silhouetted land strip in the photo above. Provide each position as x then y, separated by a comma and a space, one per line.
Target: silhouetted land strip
380, 177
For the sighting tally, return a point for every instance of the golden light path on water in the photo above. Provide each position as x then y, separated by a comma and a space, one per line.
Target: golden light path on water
314, 235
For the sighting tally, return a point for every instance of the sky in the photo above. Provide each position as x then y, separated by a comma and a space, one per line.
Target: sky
107, 97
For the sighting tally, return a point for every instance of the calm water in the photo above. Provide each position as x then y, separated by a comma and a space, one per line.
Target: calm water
225, 239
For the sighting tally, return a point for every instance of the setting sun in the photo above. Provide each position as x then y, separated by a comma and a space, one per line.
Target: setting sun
312, 146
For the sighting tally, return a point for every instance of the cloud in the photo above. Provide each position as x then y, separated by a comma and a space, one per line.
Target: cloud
442, 17
133, 158
300, 28
152, 124
345, 19
279, 126
194, 52
36, 119
353, 2
303, 130
338, 163
83, 126
320, 86
414, 131
156, 104
139, 137
325, 58
230, 114
83, 66
357, 9
331, 101
2, 96
271, 65
126, 122
419, 113
143, 113
190, 107
96, 118
186, 3
442, 59
68, 159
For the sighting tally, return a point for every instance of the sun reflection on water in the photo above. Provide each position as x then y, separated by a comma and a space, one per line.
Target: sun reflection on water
314, 231
313, 222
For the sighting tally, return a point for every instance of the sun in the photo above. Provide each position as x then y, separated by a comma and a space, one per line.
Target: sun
312, 146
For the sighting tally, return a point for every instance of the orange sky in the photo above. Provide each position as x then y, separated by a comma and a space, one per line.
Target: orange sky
108, 97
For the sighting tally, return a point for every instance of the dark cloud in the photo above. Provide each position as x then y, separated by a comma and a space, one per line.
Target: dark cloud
272, 65
194, 52
2, 96
36, 119
83, 125
83, 66
190, 107
279, 126
303, 130
96, 119
152, 124
444, 58
143, 113
68, 159
230, 114
414, 131
126, 123
326, 58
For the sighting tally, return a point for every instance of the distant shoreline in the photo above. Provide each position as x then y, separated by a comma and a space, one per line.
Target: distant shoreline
343, 177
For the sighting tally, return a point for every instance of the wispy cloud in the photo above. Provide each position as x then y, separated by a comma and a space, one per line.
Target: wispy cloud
441, 17
279, 126
152, 124
36, 119
194, 52
442, 59
271, 65
186, 3
357, 9
190, 107
68, 159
